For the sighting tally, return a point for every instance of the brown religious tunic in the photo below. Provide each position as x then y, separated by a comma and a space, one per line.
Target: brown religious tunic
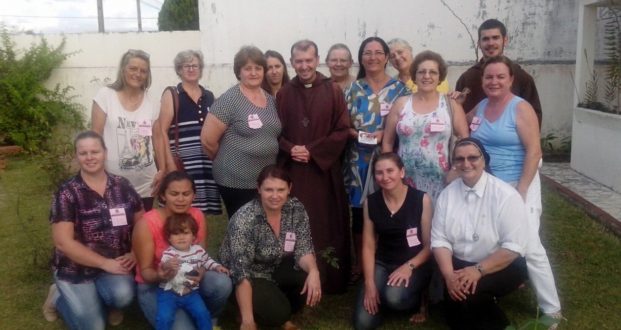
316, 116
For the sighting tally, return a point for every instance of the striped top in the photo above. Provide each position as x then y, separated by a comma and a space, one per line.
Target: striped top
196, 163
250, 141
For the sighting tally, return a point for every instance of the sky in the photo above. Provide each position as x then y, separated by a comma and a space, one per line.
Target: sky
73, 16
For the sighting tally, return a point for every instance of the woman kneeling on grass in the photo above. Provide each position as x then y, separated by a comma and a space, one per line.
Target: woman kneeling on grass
269, 250
92, 216
149, 241
395, 246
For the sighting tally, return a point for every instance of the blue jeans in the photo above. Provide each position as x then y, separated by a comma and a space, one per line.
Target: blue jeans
83, 305
398, 298
215, 289
169, 301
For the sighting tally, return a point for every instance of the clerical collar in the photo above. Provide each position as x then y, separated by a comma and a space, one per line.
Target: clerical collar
478, 188
308, 85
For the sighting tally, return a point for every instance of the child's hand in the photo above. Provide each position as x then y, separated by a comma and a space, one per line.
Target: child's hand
222, 269
167, 270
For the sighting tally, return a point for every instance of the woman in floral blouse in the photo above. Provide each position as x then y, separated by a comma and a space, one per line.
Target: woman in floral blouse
269, 251
423, 123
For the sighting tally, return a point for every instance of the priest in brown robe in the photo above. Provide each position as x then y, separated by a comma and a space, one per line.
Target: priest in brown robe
315, 125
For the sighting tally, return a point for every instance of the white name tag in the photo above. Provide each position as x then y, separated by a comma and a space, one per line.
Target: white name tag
437, 125
145, 128
384, 108
476, 122
289, 241
254, 121
412, 238
118, 217
366, 138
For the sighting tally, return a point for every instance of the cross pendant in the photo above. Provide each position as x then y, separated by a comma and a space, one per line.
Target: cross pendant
305, 122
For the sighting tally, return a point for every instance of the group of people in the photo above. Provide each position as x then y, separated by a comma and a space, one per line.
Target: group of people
432, 187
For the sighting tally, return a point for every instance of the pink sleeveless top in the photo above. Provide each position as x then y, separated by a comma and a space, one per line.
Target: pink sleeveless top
156, 227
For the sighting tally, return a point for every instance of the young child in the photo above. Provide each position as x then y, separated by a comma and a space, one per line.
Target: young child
181, 292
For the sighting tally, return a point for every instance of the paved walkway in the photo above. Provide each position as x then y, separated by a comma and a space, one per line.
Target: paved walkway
600, 202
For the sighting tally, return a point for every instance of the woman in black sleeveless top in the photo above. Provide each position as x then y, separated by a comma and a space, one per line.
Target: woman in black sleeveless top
395, 246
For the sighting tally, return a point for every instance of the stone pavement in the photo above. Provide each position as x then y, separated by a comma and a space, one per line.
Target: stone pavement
598, 201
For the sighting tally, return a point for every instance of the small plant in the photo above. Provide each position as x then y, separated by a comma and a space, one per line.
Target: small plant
611, 18
328, 254
56, 157
555, 149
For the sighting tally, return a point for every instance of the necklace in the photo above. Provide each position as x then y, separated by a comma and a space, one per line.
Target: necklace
477, 210
396, 202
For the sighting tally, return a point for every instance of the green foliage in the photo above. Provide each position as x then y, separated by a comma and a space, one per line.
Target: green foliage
29, 111
328, 254
612, 49
178, 15
611, 18
553, 145
56, 158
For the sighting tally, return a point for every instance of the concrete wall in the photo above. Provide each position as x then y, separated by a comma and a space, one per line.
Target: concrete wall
542, 33
96, 57
542, 36
596, 152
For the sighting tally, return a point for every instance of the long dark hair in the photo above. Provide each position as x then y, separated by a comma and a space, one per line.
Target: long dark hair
362, 73
285, 76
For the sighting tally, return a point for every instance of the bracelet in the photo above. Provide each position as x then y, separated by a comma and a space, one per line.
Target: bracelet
479, 267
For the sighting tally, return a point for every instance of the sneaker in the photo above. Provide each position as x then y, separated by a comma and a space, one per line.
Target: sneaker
49, 308
556, 318
115, 317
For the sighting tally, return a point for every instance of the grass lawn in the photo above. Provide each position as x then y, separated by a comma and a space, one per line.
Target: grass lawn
585, 257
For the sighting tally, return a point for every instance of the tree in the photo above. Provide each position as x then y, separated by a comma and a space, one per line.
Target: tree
178, 15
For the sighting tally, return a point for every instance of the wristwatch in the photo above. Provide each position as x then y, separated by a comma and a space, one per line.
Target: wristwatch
411, 265
479, 267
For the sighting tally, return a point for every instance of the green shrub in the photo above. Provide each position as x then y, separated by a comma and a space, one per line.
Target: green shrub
29, 112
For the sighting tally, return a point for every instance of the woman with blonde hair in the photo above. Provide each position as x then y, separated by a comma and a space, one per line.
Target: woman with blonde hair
125, 115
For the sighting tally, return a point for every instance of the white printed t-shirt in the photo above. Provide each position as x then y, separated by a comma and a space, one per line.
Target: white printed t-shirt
128, 137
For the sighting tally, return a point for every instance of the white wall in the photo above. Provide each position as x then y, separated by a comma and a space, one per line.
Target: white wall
542, 36
96, 57
542, 33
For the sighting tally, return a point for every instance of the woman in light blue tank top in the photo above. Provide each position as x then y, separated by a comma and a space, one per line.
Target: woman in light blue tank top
509, 130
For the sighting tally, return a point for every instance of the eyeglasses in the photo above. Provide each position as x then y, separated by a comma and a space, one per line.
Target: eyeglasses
427, 72
471, 159
377, 54
190, 67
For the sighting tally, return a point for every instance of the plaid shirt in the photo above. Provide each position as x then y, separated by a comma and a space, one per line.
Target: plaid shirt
89, 212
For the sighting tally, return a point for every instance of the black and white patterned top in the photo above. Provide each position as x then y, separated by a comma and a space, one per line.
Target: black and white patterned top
251, 249
249, 143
